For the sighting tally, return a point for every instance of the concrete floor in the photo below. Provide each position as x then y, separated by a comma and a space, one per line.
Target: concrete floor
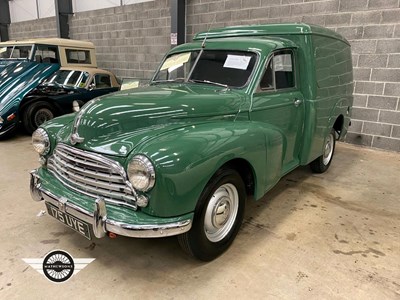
329, 236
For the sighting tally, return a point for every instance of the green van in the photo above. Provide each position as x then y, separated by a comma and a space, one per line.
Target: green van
224, 117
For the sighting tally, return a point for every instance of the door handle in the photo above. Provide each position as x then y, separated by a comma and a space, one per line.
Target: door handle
297, 102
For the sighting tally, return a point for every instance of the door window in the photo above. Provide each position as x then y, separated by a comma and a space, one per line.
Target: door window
46, 54
279, 73
102, 81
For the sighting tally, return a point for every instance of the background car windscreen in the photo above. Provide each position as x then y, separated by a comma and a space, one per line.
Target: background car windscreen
70, 78
16, 52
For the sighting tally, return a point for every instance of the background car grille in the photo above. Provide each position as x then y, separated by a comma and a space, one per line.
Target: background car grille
91, 174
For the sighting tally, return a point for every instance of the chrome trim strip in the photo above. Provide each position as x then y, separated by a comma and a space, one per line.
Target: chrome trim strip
93, 175
59, 154
116, 202
11, 127
100, 218
116, 166
100, 222
101, 176
150, 230
82, 180
34, 186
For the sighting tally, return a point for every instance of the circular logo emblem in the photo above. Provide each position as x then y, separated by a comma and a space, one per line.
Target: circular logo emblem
58, 266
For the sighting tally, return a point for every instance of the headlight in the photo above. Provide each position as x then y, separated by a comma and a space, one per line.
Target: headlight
141, 173
41, 141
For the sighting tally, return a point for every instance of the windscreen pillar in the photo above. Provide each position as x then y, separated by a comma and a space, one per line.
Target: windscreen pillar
5, 20
63, 10
178, 22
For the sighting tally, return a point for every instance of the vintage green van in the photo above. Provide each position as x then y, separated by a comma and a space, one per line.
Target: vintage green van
224, 117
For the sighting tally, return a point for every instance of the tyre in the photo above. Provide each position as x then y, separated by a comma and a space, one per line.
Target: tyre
322, 163
36, 114
218, 216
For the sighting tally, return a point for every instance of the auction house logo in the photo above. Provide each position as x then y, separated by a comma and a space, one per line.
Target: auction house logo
58, 265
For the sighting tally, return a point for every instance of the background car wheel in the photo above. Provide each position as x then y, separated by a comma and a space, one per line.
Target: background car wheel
218, 216
36, 114
322, 163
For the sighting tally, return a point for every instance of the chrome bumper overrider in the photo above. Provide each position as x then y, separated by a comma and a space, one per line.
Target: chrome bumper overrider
99, 220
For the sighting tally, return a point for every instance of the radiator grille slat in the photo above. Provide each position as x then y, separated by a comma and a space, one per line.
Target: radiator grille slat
92, 175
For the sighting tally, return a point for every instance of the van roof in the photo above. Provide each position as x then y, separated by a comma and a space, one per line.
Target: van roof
267, 30
50, 41
240, 43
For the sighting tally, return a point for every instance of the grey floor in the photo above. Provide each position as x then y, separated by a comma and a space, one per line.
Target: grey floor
329, 236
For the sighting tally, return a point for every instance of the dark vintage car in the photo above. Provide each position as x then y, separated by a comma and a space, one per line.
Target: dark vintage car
25, 64
56, 96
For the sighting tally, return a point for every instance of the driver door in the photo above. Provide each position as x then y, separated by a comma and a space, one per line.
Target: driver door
279, 102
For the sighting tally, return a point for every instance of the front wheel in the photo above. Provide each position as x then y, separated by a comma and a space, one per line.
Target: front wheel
36, 114
322, 163
218, 216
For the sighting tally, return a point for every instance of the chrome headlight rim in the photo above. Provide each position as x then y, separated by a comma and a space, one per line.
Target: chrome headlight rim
144, 162
40, 136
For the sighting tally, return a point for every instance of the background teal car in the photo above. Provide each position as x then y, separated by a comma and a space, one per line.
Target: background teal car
223, 118
25, 64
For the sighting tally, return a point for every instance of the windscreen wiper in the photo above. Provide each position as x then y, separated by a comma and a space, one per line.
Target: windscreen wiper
209, 82
168, 80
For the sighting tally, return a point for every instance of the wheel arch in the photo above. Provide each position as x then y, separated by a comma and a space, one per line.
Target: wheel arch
246, 172
27, 101
338, 125
190, 157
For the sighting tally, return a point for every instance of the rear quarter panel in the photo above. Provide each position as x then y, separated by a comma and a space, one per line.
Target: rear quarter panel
333, 94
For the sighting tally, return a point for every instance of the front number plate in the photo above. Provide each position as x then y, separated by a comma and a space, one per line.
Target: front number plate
69, 220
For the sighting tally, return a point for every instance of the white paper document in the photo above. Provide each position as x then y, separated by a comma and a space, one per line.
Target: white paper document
240, 62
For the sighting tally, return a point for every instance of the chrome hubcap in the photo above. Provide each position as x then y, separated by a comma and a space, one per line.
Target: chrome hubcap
221, 212
328, 152
43, 115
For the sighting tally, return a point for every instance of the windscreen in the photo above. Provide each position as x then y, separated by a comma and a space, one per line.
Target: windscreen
219, 67
69, 78
16, 52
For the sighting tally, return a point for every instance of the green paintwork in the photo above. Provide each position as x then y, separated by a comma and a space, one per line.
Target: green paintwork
115, 213
189, 130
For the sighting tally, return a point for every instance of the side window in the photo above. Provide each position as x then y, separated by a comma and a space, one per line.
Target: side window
267, 81
46, 54
78, 56
279, 73
102, 81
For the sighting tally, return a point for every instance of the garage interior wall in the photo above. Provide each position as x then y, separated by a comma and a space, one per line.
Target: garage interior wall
132, 39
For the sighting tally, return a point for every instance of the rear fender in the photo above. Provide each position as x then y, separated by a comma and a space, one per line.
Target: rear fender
342, 108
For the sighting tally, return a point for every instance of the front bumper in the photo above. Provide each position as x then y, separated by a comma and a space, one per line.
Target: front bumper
5, 130
101, 223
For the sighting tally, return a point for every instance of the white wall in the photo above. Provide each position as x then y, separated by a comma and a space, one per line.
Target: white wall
79, 5
47, 8
25, 10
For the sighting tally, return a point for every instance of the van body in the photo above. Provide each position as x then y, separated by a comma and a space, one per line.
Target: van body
224, 117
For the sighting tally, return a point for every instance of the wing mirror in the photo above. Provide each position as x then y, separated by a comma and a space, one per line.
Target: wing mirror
92, 86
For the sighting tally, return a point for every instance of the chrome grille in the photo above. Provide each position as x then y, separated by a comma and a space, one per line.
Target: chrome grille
92, 174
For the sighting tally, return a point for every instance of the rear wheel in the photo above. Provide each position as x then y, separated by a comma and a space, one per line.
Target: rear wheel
36, 114
218, 216
322, 163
